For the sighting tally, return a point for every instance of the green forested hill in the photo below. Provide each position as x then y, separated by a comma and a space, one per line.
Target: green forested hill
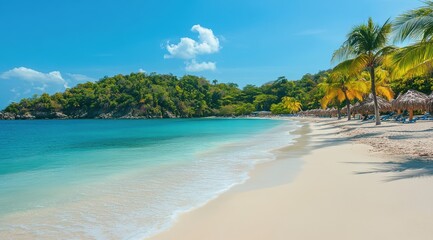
159, 95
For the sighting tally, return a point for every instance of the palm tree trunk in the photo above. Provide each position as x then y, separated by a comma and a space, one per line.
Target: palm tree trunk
339, 112
373, 92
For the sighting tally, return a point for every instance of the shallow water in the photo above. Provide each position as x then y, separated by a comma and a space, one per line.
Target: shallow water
122, 179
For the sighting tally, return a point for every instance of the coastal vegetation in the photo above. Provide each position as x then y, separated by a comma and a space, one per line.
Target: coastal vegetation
367, 63
140, 95
340, 87
288, 105
365, 50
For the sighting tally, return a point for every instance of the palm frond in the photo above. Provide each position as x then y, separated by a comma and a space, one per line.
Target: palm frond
414, 24
360, 63
386, 51
340, 95
343, 67
353, 66
385, 92
343, 53
412, 56
381, 35
422, 69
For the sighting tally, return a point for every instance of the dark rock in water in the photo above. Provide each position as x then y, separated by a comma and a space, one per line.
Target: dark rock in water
131, 116
60, 115
7, 116
127, 116
170, 115
41, 115
105, 116
27, 116
79, 114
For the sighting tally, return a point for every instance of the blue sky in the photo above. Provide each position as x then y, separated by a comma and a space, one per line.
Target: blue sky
50, 45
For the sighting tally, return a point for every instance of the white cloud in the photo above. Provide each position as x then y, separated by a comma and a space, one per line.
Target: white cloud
194, 66
23, 82
44, 80
141, 70
34, 76
80, 77
41, 88
188, 48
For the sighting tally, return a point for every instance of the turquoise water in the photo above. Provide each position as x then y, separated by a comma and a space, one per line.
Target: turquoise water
122, 179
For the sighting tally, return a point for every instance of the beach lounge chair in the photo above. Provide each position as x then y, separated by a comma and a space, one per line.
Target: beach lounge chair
399, 118
406, 120
426, 116
368, 118
386, 117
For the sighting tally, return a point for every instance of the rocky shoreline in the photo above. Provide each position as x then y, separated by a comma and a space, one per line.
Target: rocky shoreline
61, 115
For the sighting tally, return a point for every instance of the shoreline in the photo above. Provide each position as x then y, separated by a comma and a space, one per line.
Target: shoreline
360, 202
299, 140
118, 200
257, 177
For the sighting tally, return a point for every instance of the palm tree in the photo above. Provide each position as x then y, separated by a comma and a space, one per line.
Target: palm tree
342, 87
364, 50
416, 24
291, 104
383, 77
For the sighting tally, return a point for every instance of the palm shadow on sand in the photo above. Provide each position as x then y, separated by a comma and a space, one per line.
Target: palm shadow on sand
404, 169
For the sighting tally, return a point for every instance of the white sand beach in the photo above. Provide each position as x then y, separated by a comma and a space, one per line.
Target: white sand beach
345, 190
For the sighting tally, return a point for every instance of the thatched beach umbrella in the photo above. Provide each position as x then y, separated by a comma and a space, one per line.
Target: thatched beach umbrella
394, 103
344, 109
333, 110
329, 112
430, 103
411, 100
313, 112
321, 112
367, 106
355, 107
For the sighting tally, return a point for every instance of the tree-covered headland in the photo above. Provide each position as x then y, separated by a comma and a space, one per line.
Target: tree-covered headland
140, 95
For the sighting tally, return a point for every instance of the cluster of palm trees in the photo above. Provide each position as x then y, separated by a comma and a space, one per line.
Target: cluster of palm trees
366, 61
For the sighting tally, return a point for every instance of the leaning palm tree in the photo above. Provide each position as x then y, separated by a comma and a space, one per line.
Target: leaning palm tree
364, 50
342, 87
417, 24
